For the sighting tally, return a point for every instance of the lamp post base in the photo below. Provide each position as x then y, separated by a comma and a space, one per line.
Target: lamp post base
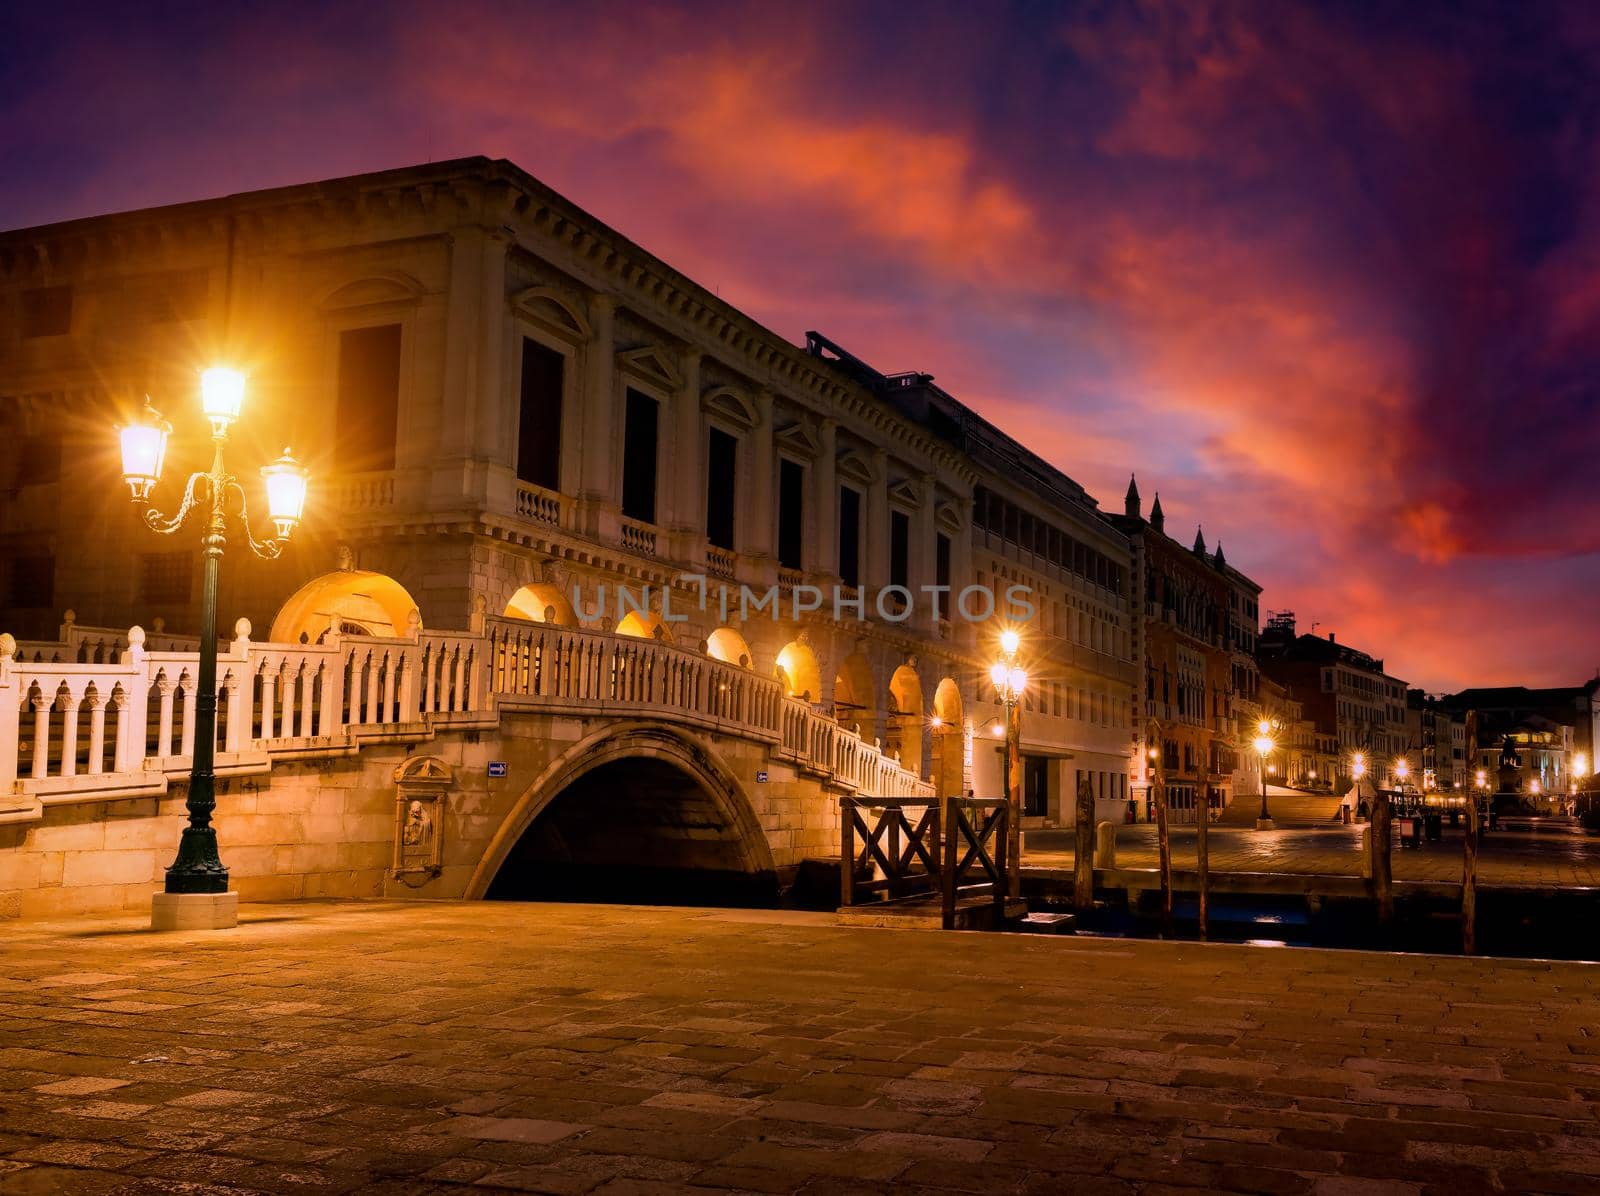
194, 911
1266, 824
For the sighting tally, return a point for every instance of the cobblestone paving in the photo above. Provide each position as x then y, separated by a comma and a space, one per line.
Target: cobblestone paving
1507, 857
462, 1047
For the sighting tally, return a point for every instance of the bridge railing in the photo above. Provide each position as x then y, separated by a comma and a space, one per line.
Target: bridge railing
87, 729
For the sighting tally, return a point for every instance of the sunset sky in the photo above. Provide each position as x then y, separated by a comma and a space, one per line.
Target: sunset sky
1328, 278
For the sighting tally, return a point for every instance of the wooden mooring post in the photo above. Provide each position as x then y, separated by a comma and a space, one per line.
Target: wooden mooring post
1469, 852
1164, 840
1202, 864
1382, 849
1083, 853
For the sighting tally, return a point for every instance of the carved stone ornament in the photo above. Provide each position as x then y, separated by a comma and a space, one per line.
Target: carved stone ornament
422, 785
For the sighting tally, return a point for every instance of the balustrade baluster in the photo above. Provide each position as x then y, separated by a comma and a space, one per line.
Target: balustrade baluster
268, 702
97, 733
186, 737
286, 691
458, 688
166, 690
308, 697
391, 664
69, 736
370, 712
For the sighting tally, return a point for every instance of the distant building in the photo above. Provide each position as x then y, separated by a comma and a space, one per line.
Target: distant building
1352, 702
1304, 757
1195, 618
1436, 740
1517, 710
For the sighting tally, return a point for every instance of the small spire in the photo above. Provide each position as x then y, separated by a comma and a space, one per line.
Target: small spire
1130, 504
1158, 518
1199, 542
1222, 561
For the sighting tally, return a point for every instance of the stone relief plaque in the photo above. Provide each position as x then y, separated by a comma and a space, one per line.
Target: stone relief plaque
421, 788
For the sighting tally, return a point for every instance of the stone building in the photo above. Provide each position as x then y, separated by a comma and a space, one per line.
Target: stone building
1344, 692
507, 406
1436, 741
1195, 621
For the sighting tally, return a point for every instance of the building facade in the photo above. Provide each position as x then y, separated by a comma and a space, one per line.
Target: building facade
1192, 626
1345, 693
507, 406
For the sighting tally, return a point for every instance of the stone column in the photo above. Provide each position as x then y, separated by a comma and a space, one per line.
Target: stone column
688, 501
496, 419
875, 568
826, 505
599, 485
962, 572
924, 555
756, 538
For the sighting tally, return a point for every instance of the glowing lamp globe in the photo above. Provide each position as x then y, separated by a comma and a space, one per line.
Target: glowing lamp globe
1017, 679
1402, 769
997, 674
144, 449
221, 396
286, 493
1264, 744
1009, 641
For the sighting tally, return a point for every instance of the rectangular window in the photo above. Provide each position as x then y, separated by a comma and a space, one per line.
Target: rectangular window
639, 457
47, 311
722, 461
1035, 786
369, 398
941, 574
899, 548
849, 536
539, 421
166, 578
31, 582
39, 457
791, 513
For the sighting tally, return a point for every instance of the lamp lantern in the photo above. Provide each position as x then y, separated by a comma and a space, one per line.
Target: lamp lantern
221, 397
286, 493
144, 450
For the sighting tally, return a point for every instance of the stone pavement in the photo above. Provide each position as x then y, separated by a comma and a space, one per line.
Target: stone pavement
393, 1047
1548, 859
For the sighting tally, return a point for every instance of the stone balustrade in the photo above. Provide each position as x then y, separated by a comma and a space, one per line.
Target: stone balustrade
94, 730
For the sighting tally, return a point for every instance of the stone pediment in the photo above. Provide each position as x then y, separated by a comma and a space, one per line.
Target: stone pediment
905, 493
732, 405
651, 364
423, 770
392, 286
552, 308
949, 518
853, 467
799, 440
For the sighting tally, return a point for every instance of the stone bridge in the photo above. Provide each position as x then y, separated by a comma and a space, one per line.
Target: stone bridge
516, 758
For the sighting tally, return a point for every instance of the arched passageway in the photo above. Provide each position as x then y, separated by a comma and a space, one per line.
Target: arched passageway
797, 669
644, 626
542, 604
644, 817
727, 645
352, 601
903, 740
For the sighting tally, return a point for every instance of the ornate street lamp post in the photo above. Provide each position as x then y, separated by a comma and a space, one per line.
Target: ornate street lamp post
197, 872
1264, 745
1010, 682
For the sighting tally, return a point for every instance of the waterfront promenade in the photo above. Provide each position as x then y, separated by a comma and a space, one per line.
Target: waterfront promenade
408, 1047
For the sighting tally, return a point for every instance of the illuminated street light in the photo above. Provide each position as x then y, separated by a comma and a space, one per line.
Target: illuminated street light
210, 497
1264, 744
1010, 682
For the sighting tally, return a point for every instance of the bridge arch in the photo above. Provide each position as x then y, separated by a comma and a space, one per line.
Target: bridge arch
362, 602
629, 807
